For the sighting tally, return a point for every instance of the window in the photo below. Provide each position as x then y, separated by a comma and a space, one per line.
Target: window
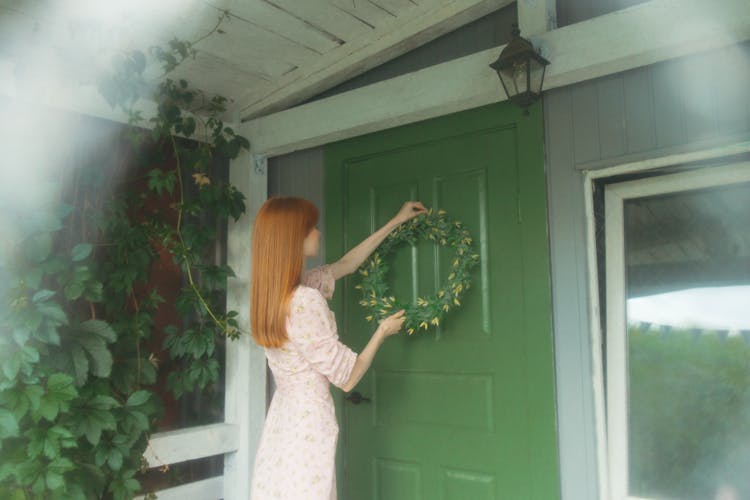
678, 335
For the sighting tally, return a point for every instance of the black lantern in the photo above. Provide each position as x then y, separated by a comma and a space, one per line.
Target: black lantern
521, 71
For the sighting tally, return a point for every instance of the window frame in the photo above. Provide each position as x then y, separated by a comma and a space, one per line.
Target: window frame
611, 396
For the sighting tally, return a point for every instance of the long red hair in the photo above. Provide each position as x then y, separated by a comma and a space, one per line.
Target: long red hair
281, 226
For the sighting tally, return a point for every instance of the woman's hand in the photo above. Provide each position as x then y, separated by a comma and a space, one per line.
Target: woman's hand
392, 324
409, 210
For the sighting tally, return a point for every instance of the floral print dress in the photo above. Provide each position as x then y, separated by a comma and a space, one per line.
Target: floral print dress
296, 456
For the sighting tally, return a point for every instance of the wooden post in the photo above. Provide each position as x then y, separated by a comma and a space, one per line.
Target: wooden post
245, 394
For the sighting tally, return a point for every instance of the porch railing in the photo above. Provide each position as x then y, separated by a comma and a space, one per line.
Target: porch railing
167, 448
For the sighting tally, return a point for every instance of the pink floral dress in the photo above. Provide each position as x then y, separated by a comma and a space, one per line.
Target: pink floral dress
296, 456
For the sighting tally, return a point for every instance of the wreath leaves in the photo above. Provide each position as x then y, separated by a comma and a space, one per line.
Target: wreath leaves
427, 312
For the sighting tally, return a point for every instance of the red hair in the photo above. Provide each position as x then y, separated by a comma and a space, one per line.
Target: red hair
281, 226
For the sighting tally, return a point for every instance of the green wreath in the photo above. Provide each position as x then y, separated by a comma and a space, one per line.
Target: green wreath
429, 311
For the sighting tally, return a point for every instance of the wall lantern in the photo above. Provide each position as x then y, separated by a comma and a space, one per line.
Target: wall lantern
521, 71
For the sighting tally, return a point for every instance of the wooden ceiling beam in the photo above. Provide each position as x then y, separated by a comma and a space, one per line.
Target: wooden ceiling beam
425, 23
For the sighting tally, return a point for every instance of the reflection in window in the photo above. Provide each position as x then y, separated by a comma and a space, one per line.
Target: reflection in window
688, 286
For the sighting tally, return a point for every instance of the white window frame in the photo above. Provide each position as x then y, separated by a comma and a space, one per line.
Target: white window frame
611, 417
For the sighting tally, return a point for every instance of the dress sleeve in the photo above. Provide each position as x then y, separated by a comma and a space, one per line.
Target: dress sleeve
312, 330
320, 278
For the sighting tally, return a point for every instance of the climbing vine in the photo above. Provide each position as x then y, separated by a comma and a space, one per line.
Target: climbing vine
79, 341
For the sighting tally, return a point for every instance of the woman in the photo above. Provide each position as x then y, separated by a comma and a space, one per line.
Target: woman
291, 320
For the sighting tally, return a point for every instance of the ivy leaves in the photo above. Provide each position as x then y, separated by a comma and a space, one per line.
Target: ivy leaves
60, 391
87, 350
77, 306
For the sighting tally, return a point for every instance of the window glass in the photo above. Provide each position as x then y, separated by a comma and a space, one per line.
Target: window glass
688, 312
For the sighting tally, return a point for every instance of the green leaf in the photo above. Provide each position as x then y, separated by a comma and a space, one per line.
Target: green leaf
74, 290
102, 402
38, 485
60, 390
140, 420
101, 456
132, 485
8, 424
148, 372
34, 394
100, 328
29, 355
93, 432
114, 459
48, 409
42, 295
138, 398
54, 481
80, 364
101, 358
81, 251
61, 385
11, 366
60, 465
53, 312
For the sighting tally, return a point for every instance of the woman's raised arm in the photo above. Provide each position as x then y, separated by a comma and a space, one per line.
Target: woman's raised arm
354, 258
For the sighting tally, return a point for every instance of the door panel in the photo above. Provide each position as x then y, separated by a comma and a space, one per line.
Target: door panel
455, 413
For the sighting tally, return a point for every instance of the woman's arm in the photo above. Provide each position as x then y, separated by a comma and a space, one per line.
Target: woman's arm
387, 327
354, 258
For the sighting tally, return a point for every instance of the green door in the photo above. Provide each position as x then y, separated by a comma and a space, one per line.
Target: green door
465, 412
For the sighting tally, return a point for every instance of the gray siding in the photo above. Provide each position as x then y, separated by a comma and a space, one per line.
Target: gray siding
301, 174
682, 105
685, 104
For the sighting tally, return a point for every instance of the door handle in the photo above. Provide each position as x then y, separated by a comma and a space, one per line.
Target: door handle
357, 398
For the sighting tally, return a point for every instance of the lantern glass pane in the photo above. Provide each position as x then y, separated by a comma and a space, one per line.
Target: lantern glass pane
506, 77
537, 75
520, 75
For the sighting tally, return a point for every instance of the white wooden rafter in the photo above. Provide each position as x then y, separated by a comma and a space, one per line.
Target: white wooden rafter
641, 35
536, 16
423, 24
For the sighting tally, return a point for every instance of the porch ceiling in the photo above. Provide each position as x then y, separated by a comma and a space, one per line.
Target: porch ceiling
265, 55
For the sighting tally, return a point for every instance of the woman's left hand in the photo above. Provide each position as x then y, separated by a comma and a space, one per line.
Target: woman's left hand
409, 210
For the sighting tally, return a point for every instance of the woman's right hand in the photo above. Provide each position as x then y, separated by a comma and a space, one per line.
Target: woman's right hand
392, 324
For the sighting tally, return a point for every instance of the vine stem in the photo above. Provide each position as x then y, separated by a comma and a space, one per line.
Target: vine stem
179, 235
224, 15
137, 338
